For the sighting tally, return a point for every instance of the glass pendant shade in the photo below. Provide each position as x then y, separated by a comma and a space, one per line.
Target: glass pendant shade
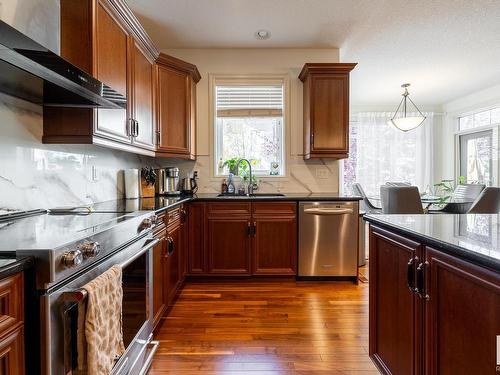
407, 118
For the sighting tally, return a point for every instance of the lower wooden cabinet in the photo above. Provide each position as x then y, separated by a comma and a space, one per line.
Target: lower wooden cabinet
462, 316
197, 256
12, 359
12, 353
229, 245
242, 238
158, 277
274, 244
172, 264
430, 313
393, 343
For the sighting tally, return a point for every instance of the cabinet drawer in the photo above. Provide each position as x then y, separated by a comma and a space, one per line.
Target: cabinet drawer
173, 215
12, 353
274, 208
233, 208
11, 301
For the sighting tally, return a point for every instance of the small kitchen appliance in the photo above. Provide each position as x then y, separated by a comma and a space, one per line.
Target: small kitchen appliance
167, 182
189, 185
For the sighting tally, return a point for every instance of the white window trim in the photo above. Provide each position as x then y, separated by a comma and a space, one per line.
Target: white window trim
455, 117
213, 80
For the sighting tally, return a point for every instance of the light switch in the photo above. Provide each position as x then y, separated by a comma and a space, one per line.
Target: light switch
322, 173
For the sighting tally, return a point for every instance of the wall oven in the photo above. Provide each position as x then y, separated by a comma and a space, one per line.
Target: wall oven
59, 308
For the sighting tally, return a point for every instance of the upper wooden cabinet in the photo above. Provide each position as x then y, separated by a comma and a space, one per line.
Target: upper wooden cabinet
176, 107
326, 110
103, 38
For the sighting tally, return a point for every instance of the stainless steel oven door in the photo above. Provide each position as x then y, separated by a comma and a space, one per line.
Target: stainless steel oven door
59, 313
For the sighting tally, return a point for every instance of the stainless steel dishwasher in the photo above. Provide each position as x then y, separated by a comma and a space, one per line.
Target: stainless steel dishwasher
328, 239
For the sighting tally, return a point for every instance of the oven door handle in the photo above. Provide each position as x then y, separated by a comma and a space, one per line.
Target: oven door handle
81, 294
149, 245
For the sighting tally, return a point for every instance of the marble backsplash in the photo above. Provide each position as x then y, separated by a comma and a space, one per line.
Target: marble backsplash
34, 175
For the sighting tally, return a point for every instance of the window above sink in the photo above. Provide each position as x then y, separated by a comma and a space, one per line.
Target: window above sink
249, 122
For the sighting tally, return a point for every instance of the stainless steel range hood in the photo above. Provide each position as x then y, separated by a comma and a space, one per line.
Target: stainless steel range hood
32, 72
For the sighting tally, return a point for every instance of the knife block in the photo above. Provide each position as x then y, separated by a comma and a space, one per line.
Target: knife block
147, 190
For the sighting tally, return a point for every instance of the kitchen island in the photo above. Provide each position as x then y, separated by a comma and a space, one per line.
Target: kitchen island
434, 293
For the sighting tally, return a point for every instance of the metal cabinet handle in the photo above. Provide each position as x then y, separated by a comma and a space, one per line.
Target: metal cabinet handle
254, 228
136, 128
170, 246
420, 289
130, 127
410, 275
249, 229
328, 211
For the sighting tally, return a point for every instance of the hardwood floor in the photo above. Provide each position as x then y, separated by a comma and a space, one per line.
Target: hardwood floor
266, 328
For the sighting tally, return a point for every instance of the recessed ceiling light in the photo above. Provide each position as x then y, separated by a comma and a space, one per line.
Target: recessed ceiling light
262, 34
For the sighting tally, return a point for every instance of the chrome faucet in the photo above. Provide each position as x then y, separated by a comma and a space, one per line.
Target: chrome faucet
250, 183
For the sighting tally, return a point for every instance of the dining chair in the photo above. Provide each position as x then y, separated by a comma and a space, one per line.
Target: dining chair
366, 205
467, 191
488, 202
390, 183
400, 200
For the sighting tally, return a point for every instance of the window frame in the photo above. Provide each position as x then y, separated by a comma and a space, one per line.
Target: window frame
218, 79
493, 127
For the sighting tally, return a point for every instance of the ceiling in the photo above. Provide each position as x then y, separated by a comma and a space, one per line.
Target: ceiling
445, 48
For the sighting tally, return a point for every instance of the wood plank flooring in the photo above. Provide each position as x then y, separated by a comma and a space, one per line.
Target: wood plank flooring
266, 328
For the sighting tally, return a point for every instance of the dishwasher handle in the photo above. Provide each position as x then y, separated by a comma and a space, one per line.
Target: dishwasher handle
328, 211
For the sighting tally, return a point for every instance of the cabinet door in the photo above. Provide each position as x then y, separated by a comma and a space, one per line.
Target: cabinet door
462, 317
142, 77
229, 245
197, 250
12, 353
329, 113
174, 96
112, 69
158, 279
172, 263
395, 311
274, 238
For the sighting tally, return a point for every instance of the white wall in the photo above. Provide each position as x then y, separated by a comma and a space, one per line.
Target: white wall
302, 175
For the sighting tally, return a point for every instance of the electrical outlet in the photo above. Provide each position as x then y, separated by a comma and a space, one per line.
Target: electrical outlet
322, 173
94, 174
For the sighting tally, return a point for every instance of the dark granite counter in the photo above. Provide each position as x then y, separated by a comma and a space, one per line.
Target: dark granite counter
159, 204
9, 266
285, 197
475, 238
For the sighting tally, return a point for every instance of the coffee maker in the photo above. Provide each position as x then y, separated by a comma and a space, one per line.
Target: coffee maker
167, 182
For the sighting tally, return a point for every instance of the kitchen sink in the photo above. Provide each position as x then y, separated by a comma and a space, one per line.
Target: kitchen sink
256, 195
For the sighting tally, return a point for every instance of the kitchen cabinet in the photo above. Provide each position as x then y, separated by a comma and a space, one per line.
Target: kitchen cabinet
462, 316
176, 107
326, 109
430, 313
229, 238
395, 310
159, 251
143, 96
242, 238
172, 262
274, 244
103, 38
12, 357
196, 248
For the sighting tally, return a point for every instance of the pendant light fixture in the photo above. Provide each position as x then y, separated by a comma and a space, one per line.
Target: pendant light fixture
407, 118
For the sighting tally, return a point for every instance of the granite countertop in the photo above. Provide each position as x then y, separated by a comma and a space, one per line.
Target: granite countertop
159, 204
285, 197
9, 266
475, 238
